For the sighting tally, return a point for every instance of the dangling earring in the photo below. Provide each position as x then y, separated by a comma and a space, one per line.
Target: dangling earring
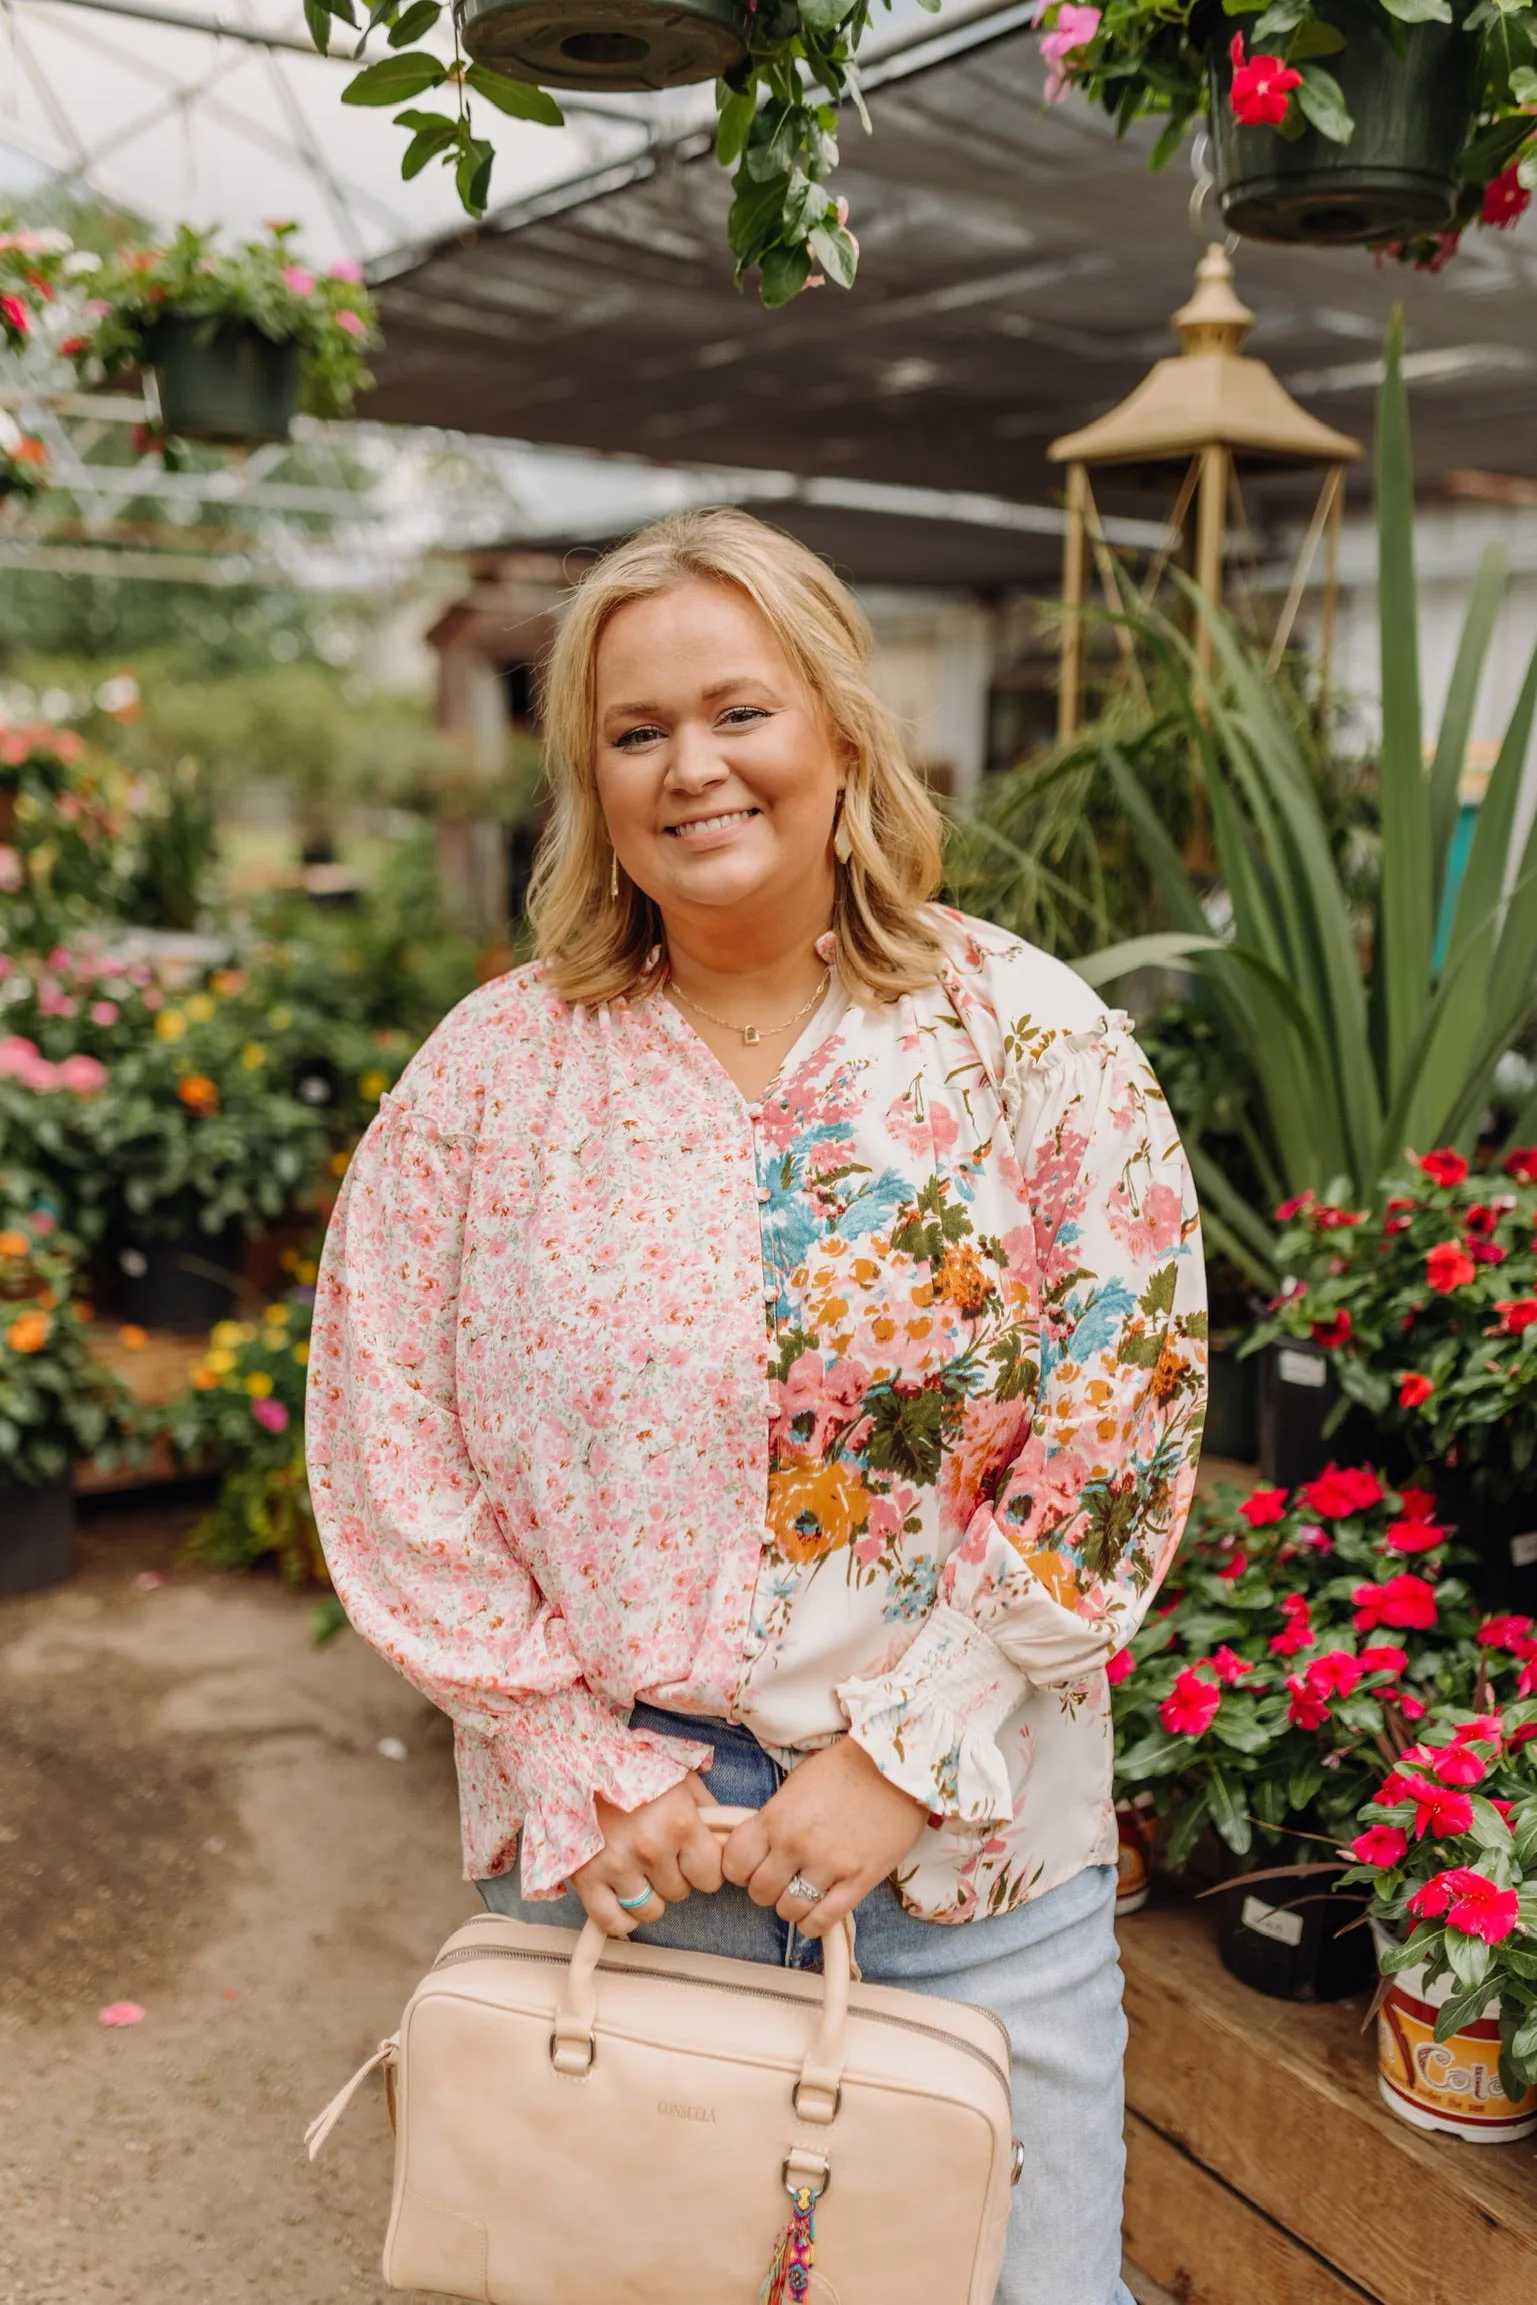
843, 846
613, 876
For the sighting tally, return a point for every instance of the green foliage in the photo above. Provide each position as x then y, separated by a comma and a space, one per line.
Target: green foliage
57, 1403
243, 1409
1351, 1060
262, 283
67, 819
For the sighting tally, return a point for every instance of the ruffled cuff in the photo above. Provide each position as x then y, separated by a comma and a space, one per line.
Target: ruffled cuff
931, 1724
576, 1748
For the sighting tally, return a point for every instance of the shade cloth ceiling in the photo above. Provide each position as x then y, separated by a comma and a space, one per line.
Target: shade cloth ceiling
1018, 272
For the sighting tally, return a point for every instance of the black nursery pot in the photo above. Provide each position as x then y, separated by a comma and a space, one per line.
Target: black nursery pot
1232, 1403
1297, 1391
1291, 1937
37, 1534
223, 381
1501, 1531
184, 1284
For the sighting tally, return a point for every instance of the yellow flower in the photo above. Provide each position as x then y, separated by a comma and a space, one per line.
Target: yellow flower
227, 1334
220, 1360
253, 1056
170, 1024
276, 1314
306, 1272
200, 1008
339, 1163
373, 1085
258, 1384
280, 1018
302, 1354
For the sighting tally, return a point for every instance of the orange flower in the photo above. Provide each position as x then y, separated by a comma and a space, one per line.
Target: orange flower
198, 1091
133, 1337
29, 1334
962, 1280
815, 1509
14, 1244
203, 1379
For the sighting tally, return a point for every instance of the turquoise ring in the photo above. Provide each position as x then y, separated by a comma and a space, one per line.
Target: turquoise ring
634, 1904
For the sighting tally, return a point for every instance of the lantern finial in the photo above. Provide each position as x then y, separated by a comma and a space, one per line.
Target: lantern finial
1214, 320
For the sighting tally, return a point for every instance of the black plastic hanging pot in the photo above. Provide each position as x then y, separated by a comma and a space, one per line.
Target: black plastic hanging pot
1395, 179
223, 381
37, 1534
1291, 1937
635, 44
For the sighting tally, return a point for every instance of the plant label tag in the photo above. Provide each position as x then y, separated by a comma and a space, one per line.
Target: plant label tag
1269, 1921
1523, 1550
1301, 1369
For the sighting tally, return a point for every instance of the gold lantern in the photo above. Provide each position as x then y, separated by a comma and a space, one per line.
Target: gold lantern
1206, 409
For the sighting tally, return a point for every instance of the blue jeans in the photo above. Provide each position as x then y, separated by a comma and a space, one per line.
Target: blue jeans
1049, 1970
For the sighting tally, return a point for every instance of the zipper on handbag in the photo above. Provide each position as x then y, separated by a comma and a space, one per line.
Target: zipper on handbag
753, 1992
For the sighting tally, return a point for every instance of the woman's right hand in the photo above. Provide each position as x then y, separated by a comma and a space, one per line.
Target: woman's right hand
661, 1845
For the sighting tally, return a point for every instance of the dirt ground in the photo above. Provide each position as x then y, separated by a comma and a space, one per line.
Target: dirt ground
195, 1816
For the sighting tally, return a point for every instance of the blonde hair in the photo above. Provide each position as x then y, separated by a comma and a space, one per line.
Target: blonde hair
597, 948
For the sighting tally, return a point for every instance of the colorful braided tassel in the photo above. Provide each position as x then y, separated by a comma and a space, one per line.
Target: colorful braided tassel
789, 2277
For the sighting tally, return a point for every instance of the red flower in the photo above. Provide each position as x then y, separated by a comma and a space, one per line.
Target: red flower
1505, 198
1414, 1536
1401, 1601
1334, 1674
1191, 1705
1120, 1667
1444, 1167
1506, 1808
1380, 1845
1395, 1787
1448, 1266
1483, 1729
15, 316
1474, 1905
1504, 1633
1265, 1507
1458, 1765
1299, 1626
1299, 1201
1337, 1493
1410, 1707
1333, 1331
1414, 1390
1417, 1504
1261, 92
1326, 1218
1235, 1567
1438, 1810
1516, 1314
1522, 1163
1227, 1666
1396, 1221
1307, 1709
1487, 1252
1384, 1659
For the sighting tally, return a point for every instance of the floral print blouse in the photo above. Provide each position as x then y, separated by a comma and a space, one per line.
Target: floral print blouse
872, 1408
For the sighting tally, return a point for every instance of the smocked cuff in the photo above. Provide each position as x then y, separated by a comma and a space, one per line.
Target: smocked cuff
583, 1750
931, 1724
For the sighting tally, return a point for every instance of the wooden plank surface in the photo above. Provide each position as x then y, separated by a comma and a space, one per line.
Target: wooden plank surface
1204, 2244
1279, 2100
153, 1364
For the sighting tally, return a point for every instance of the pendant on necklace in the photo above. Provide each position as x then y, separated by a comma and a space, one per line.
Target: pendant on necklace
750, 1036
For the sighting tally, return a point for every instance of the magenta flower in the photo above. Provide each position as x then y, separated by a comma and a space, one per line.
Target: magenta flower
1074, 28
345, 269
271, 1415
354, 324
297, 280
86, 1075
1380, 1845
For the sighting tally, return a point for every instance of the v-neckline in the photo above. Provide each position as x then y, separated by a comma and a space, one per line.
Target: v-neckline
818, 1029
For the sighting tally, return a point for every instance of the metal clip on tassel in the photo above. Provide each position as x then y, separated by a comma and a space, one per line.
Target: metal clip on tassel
789, 2277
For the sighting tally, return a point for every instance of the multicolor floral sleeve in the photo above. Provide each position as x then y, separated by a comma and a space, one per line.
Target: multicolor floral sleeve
420, 1557
1057, 1567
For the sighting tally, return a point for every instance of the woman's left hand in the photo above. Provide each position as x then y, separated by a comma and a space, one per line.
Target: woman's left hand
835, 1821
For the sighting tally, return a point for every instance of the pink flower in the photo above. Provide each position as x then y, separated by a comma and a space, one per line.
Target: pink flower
1402, 1602
1334, 1674
1120, 1668
345, 269
1307, 1710
1264, 1507
1074, 28
86, 1075
351, 322
1191, 1706
103, 1012
1474, 1905
1261, 92
13, 872
271, 1415
1227, 1666
1294, 1207
297, 280
23, 1060
1483, 1729
1380, 1845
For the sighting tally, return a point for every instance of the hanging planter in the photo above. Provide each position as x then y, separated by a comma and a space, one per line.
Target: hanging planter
237, 339
1451, 2085
1405, 88
612, 44
1391, 122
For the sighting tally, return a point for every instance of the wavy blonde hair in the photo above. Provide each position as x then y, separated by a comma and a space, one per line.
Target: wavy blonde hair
597, 948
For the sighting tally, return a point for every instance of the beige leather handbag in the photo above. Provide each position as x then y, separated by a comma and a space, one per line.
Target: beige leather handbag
581, 2121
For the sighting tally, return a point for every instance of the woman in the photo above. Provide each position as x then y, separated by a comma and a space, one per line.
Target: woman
759, 1359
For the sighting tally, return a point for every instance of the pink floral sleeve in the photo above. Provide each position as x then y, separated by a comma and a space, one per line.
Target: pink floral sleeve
1055, 1572
419, 1557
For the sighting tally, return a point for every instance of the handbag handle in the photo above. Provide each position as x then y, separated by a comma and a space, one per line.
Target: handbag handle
573, 2044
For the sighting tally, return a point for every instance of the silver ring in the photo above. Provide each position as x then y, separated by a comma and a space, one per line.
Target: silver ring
634, 1904
801, 1887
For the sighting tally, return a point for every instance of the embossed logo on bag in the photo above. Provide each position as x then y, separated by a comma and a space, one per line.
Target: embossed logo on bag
677, 2112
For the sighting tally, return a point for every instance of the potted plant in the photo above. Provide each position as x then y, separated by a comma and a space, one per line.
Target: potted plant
57, 1403
23, 462
1424, 1307
243, 1410
237, 338
1448, 1846
1298, 1643
66, 815
1331, 120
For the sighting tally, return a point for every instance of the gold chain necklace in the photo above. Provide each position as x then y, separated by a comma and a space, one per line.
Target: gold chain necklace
752, 1033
